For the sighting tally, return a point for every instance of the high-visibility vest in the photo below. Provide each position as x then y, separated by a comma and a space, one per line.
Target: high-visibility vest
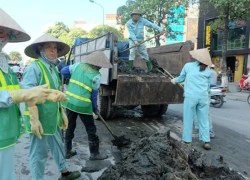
80, 88
50, 114
10, 117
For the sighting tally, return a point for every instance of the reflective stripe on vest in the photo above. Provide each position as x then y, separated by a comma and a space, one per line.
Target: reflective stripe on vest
78, 97
4, 84
81, 84
44, 74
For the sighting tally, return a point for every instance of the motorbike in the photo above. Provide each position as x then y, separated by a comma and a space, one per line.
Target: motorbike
217, 96
242, 85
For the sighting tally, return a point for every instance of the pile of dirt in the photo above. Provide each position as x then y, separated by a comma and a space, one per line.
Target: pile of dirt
161, 157
123, 68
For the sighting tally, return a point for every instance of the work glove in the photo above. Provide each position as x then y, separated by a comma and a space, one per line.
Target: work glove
36, 126
56, 96
36, 94
65, 120
173, 81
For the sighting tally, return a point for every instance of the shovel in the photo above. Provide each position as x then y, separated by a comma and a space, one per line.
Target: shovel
120, 141
142, 42
164, 71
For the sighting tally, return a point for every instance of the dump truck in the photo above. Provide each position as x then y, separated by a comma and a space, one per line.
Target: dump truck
152, 91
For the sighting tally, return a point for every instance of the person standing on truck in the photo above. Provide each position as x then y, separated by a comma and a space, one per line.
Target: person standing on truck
136, 34
82, 93
196, 76
10, 97
50, 116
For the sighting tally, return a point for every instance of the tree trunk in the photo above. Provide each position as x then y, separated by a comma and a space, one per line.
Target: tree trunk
224, 80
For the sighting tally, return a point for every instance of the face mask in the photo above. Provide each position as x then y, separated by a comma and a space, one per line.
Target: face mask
3, 42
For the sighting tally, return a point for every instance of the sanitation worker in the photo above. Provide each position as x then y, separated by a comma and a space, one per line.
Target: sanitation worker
82, 93
11, 95
196, 76
136, 34
50, 116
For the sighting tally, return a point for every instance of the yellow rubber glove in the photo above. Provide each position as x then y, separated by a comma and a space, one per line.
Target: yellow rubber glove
36, 94
65, 120
36, 126
56, 96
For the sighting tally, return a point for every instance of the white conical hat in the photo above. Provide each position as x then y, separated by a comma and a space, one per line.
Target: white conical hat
98, 58
17, 34
202, 55
34, 51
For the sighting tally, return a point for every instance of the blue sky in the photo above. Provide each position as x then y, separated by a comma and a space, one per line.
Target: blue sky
35, 16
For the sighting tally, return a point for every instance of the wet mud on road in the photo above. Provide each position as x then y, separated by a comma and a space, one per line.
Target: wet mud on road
151, 155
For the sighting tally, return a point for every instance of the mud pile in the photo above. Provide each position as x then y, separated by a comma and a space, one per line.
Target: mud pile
161, 157
123, 68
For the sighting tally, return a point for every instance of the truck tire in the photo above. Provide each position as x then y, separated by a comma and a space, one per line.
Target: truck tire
154, 110
105, 106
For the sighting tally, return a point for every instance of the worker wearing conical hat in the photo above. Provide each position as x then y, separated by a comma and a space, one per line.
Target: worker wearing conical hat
50, 115
82, 93
136, 34
196, 76
11, 95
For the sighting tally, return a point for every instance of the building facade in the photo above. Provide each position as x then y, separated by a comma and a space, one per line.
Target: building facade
238, 54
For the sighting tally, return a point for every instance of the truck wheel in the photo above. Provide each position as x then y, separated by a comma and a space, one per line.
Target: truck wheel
163, 109
154, 110
105, 106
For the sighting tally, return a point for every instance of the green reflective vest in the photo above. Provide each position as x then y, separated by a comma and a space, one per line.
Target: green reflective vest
10, 118
80, 88
50, 114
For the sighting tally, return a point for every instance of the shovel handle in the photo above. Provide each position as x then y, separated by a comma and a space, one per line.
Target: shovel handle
106, 125
142, 42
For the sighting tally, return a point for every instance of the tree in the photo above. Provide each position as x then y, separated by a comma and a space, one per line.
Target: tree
70, 37
98, 31
15, 57
154, 11
228, 11
58, 29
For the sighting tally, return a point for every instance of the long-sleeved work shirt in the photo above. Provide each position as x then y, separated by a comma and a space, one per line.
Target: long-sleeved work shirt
196, 82
136, 29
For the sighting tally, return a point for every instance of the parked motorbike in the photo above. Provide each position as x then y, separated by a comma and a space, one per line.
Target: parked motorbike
217, 96
242, 85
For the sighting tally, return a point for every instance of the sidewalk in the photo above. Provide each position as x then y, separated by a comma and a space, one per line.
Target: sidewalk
234, 93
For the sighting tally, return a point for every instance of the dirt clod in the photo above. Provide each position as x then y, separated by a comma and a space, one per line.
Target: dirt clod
161, 157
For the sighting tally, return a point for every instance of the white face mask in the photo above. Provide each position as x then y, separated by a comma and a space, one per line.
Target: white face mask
3, 42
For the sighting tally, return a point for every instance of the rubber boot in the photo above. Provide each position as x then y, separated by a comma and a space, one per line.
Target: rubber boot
68, 150
70, 175
149, 66
94, 152
206, 146
130, 65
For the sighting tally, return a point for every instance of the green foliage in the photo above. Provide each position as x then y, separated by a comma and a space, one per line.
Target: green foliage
70, 37
15, 56
236, 9
98, 31
58, 29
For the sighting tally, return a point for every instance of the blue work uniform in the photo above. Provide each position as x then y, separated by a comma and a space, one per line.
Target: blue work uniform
196, 102
7, 162
39, 147
136, 35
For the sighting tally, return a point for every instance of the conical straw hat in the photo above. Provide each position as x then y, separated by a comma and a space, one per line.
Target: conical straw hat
202, 55
34, 51
17, 34
98, 58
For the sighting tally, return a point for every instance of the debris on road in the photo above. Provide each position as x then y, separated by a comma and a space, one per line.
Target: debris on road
161, 157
